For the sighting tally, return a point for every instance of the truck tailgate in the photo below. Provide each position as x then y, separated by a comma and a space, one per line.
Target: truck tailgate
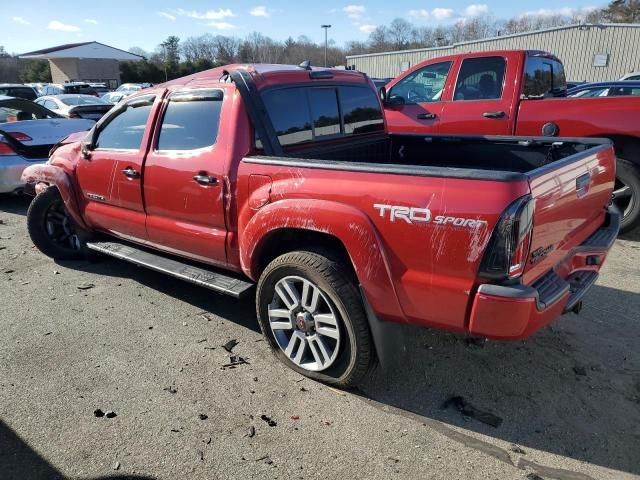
570, 197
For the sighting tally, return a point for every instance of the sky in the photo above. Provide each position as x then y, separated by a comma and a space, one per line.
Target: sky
35, 24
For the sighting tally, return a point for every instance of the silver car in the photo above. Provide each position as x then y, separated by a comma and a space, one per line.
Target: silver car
75, 106
27, 133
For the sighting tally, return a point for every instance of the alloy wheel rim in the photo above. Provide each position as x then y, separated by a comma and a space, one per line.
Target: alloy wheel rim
623, 197
60, 227
304, 324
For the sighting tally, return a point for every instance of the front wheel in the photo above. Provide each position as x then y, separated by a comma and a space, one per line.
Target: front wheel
311, 313
52, 229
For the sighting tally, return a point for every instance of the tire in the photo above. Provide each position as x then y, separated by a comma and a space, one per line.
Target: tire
340, 355
52, 229
628, 189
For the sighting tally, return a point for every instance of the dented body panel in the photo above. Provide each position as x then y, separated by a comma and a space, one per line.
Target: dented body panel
415, 235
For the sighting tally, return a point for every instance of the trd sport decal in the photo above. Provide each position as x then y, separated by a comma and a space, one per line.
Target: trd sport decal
413, 215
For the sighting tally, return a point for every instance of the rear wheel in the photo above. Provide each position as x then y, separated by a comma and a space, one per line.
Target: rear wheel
311, 313
52, 229
626, 194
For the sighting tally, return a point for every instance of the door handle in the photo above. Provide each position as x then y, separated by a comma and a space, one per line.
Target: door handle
426, 116
493, 114
130, 173
203, 179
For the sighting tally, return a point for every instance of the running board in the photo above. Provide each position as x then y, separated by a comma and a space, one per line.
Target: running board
218, 282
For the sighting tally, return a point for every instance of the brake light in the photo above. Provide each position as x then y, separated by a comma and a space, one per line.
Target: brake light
5, 149
19, 136
508, 250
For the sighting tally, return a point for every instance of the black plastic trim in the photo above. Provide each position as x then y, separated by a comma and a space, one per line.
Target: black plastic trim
604, 237
390, 168
257, 112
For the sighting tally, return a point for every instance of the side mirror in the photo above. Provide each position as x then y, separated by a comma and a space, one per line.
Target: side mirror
395, 100
89, 143
383, 94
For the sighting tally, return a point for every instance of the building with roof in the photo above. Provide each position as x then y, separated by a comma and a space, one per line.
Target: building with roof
590, 52
85, 62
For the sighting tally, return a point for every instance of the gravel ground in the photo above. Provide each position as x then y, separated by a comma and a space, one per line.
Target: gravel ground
148, 348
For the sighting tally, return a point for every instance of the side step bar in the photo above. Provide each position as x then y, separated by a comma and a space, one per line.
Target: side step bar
217, 282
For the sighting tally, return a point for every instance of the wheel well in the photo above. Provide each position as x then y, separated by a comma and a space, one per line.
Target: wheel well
286, 240
626, 146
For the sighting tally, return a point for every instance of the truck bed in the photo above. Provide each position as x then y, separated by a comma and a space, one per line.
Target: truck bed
481, 157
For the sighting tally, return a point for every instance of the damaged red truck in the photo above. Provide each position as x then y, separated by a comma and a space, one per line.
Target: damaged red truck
285, 177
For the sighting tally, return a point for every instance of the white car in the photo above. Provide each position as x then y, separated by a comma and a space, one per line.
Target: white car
27, 133
631, 76
75, 106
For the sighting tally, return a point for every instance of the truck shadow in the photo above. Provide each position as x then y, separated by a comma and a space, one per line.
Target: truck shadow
573, 389
17, 204
18, 461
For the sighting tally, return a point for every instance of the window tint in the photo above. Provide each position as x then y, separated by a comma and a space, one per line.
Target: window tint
126, 128
19, 92
423, 85
480, 79
544, 77
324, 111
289, 112
191, 120
361, 110
51, 105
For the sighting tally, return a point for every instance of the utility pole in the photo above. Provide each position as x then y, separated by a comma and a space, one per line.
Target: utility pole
326, 29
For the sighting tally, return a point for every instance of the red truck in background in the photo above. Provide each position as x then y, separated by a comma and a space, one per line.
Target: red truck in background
286, 177
516, 92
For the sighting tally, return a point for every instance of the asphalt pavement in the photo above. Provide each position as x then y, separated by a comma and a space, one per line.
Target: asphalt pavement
112, 371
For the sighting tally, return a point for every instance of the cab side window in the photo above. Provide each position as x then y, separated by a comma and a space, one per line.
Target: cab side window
480, 79
124, 129
422, 86
191, 120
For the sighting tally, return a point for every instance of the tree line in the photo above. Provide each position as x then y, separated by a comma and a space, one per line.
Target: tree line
174, 57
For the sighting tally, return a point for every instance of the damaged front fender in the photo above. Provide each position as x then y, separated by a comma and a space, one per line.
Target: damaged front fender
42, 177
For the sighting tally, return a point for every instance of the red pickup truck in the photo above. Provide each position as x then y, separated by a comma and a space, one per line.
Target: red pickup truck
516, 92
285, 177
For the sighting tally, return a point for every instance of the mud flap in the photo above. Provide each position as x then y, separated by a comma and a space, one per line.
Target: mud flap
388, 338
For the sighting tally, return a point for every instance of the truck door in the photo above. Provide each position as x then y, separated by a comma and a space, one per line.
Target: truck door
110, 177
184, 171
482, 104
414, 103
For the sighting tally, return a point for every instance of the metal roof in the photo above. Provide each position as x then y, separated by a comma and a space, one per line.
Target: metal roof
82, 50
500, 37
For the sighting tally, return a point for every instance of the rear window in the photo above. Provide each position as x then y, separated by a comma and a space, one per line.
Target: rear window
302, 114
544, 77
19, 92
191, 120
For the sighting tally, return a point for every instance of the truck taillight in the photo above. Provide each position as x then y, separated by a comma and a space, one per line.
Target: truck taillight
5, 149
508, 249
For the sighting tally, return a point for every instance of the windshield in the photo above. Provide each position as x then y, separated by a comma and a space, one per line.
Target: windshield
82, 100
17, 110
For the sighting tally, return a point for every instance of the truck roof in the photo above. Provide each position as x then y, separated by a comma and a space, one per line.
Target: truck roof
266, 74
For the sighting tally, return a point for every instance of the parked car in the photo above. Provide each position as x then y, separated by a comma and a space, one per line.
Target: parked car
76, 106
631, 76
606, 89
285, 177
516, 92
574, 83
17, 90
27, 133
68, 88
100, 88
113, 97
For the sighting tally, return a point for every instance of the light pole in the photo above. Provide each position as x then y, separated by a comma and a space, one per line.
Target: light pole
326, 29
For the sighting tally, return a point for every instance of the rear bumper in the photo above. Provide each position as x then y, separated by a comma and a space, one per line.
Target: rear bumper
512, 312
11, 168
